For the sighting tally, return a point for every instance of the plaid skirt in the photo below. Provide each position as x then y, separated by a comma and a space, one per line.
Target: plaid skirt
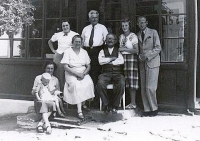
131, 71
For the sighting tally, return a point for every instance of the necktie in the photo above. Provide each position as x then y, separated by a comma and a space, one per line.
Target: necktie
142, 36
91, 37
65, 34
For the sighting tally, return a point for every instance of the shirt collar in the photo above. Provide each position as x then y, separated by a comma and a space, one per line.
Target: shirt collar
144, 31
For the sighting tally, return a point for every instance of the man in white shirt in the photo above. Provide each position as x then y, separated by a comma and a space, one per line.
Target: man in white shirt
94, 36
112, 62
64, 39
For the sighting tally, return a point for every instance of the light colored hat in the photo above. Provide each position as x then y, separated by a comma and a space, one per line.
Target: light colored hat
46, 76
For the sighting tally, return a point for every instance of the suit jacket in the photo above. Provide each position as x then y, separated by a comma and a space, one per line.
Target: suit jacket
150, 47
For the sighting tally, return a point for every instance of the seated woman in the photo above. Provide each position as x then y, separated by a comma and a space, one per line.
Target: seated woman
46, 108
78, 84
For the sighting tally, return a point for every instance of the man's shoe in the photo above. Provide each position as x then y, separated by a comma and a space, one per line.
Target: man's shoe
114, 110
153, 113
145, 114
106, 109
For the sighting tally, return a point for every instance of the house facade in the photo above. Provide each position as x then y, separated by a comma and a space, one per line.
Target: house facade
23, 54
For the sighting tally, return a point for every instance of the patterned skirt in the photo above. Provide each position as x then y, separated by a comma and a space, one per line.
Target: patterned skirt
131, 71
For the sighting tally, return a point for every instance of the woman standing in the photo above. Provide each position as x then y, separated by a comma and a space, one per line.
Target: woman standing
64, 39
78, 84
129, 48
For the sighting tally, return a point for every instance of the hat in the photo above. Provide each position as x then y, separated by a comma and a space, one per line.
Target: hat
46, 76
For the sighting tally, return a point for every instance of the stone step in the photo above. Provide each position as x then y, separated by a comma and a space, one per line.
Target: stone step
31, 119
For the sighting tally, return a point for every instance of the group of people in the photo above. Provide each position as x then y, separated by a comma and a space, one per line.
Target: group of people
87, 63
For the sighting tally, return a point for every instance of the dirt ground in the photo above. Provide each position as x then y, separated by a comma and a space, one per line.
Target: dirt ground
159, 128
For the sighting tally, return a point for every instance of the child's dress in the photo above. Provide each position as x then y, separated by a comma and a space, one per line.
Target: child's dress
45, 94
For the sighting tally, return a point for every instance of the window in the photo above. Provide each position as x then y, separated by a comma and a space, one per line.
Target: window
32, 42
173, 30
168, 17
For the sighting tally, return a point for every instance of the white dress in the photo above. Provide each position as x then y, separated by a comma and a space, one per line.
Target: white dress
77, 91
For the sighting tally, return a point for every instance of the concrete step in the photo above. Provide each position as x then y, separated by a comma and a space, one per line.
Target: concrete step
31, 119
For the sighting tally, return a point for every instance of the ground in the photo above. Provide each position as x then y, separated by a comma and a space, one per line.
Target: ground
164, 127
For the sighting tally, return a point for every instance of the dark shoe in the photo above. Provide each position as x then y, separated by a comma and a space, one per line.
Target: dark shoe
145, 114
80, 116
40, 129
114, 110
106, 109
153, 113
85, 108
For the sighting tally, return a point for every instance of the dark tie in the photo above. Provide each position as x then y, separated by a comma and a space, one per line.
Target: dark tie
142, 36
65, 34
91, 37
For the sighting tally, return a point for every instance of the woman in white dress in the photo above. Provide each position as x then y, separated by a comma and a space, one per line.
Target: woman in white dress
78, 84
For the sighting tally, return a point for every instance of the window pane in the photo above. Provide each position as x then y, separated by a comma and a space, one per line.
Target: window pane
38, 8
112, 10
114, 27
173, 6
146, 7
20, 34
35, 30
174, 25
35, 48
52, 26
68, 8
47, 50
173, 50
19, 48
52, 8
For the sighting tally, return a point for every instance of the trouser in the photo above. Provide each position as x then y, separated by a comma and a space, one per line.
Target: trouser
118, 82
59, 71
149, 82
95, 67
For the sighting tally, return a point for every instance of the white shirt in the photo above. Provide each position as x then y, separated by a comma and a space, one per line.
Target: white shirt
128, 41
100, 32
105, 60
64, 42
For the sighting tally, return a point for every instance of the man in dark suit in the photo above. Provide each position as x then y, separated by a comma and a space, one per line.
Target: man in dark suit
149, 49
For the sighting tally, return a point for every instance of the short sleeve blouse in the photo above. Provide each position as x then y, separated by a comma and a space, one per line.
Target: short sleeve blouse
128, 41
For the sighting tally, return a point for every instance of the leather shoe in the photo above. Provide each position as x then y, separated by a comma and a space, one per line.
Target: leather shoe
153, 113
106, 109
145, 114
114, 110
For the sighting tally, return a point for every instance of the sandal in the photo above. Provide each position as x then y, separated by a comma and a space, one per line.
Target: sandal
85, 108
48, 130
80, 116
131, 106
40, 129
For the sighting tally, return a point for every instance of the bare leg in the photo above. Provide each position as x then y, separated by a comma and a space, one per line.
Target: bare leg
45, 117
132, 105
58, 108
133, 96
79, 110
61, 105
